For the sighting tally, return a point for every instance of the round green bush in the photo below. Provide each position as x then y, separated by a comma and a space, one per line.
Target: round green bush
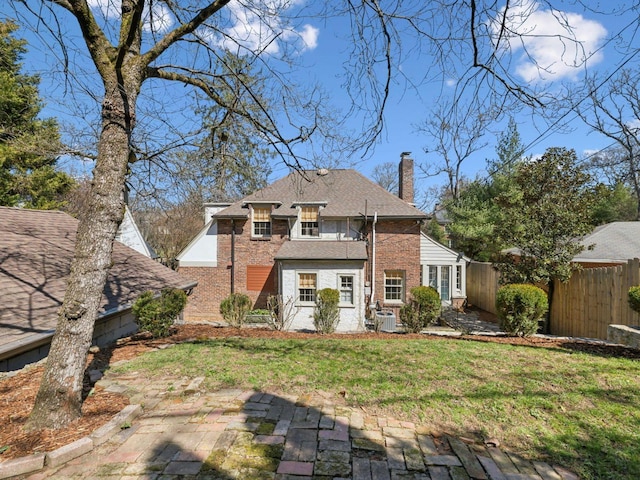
156, 314
520, 307
234, 309
634, 298
428, 303
326, 313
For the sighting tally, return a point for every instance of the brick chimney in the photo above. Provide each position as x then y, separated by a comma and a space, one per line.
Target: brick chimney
405, 173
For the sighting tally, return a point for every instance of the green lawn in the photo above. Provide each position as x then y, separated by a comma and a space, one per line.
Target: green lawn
577, 410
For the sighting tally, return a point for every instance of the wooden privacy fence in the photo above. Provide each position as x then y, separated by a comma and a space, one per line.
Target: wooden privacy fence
585, 306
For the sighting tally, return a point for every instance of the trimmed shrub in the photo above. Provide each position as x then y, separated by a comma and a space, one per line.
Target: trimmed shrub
634, 298
428, 303
234, 309
156, 314
326, 313
422, 310
520, 307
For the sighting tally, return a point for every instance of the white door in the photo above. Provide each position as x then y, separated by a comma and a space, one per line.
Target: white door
439, 277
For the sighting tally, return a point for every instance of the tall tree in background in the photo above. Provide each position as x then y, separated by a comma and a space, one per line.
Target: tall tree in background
613, 109
547, 207
130, 47
29, 146
475, 214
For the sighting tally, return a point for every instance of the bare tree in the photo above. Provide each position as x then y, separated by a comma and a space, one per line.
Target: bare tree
130, 47
386, 175
457, 132
613, 109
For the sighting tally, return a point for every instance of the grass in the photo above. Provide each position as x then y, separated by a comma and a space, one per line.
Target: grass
577, 410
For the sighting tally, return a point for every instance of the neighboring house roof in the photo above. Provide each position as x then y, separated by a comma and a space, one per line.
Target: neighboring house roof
614, 242
130, 235
322, 250
342, 192
36, 249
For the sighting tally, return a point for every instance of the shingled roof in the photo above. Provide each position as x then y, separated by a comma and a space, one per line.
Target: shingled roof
342, 192
36, 249
615, 242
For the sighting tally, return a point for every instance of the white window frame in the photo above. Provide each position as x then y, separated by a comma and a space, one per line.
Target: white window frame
387, 276
438, 269
254, 222
304, 227
351, 290
300, 301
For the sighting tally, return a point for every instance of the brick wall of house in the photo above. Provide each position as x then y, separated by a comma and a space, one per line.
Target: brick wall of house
214, 283
397, 248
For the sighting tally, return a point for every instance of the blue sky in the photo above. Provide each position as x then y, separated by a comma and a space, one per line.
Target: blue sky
321, 47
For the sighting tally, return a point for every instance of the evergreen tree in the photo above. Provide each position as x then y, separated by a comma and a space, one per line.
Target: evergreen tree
475, 214
546, 209
28, 145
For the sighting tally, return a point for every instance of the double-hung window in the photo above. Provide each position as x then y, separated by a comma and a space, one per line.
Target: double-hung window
261, 222
307, 287
345, 286
309, 222
393, 286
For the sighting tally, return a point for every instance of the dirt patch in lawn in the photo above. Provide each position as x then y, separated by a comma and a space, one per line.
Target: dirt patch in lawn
17, 392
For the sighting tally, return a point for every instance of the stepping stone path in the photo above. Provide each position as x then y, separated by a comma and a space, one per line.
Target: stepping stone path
188, 433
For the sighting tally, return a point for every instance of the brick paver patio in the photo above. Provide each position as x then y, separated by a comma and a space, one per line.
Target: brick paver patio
188, 433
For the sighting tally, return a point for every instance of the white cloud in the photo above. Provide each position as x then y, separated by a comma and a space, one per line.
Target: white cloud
159, 19
265, 29
552, 44
450, 82
309, 36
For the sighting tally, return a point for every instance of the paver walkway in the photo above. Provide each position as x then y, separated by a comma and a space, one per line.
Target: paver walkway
188, 433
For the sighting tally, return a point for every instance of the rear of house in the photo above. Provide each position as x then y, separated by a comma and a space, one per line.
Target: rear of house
308, 231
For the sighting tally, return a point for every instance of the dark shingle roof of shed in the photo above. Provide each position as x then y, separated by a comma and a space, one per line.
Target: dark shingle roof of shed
36, 248
346, 193
322, 250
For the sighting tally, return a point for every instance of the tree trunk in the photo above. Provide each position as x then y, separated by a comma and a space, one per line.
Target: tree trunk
551, 289
59, 398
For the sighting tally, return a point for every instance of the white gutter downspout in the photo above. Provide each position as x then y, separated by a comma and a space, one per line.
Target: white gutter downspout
373, 260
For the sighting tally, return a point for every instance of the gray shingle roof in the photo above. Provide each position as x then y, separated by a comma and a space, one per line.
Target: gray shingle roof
36, 248
613, 242
322, 250
345, 193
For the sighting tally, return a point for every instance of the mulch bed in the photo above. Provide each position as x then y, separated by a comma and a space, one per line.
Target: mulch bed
17, 393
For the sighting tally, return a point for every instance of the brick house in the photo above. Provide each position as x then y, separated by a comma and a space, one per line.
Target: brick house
307, 231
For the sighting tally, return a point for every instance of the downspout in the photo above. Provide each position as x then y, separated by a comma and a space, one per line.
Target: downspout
373, 258
233, 255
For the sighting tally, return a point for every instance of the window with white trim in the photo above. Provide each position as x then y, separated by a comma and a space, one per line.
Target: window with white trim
345, 286
393, 286
309, 225
459, 278
261, 217
307, 287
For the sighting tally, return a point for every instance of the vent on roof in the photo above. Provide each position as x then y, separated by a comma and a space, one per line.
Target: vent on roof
322, 172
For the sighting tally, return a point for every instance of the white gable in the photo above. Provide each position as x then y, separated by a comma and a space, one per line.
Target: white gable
130, 235
202, 251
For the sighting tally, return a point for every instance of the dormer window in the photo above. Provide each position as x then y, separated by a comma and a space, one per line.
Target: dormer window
309, 221
261, 222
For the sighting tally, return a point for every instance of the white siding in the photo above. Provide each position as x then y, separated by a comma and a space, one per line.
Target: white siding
203, 249
435, 254
130, 235
330, 229
351, 318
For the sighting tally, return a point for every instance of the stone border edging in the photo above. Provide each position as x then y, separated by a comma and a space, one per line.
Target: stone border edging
35, 462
